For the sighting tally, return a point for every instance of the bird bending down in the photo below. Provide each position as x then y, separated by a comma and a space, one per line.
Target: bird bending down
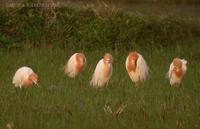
177, 71
25, 77
75, 65
103, 72
136, 67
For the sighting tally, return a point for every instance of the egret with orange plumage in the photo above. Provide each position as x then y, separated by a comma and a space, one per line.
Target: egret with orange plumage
103, 72
75, 65
177, 71
136, 67
25, 77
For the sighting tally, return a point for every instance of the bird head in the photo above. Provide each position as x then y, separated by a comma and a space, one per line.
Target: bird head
108, 58
34, 78
81, 58
133, 56
177, 63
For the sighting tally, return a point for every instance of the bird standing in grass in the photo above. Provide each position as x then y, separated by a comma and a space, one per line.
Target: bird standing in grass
136, 67
177, 71
25, 77
75, 65
103, 72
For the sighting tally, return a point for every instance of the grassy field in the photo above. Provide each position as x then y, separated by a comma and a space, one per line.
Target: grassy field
61, 102
44, 38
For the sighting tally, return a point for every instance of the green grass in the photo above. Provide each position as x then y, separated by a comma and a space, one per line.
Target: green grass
32, 37
61, 102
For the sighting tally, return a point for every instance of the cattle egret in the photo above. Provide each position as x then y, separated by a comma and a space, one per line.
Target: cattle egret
136, 67
103, 72
25, 77
177, 71
75, 65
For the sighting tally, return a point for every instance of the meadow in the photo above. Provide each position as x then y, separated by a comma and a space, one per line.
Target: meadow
61, 102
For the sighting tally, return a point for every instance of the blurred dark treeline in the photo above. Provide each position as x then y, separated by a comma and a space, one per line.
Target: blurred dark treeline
92, 28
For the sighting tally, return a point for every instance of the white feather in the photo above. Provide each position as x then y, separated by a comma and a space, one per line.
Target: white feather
98, 80
170, 70
142, 70
20, 75
184, 61
184, 67
171, 75
70, 69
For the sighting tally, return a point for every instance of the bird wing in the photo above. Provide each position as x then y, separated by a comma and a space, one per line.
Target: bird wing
69, 67
99, 68
184, 67
126, 64
111, 70
98, 72
21, 74
142, 67
169, 73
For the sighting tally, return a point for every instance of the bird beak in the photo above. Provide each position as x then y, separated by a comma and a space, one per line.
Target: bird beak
36, 83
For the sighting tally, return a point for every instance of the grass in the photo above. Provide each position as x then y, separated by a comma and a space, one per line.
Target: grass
61, 102
35, 38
